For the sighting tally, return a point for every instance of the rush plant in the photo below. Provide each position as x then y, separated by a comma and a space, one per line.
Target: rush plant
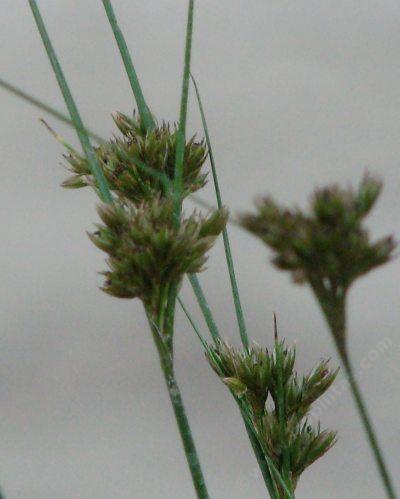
142, 175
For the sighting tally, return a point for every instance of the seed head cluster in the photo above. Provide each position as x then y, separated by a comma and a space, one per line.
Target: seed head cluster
277, 402
329, 246
139, 164
147, 251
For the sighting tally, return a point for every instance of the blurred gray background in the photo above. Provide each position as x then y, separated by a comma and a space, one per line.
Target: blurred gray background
297, 94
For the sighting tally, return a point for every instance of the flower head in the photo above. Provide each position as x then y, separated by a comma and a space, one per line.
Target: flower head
277, 401
328, 247
139, 164
147, 251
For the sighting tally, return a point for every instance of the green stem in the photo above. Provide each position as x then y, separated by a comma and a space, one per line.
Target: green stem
263, 464
145, 114
205, 308
281, 410
258, 452
166, 362
368, 427
181, 132
334, 309
192, 323
95, 167
274, 472
170, 316
186, 434
228, 252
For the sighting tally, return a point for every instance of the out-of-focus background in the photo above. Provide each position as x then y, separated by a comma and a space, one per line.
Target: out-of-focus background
297, 94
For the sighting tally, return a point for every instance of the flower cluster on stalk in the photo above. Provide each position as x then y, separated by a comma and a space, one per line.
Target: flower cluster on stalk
329, 245
148, 252
328, 248
139, 165
277, 403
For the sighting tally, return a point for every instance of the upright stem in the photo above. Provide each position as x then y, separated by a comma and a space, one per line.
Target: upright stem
163, 345
227, 245
94, 164
368, 427
145, 114
258, 452
335, 312
184, 430
281, 410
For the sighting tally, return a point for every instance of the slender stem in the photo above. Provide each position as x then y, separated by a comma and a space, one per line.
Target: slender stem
281, 410
192, 323
228, 253
166, 362
262, 462
368, 426
179, 158
277, 477
97, 172
258, 452
334, 310
145, 114
185, 432
181, 132
43, 106
205, 308
170, 316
